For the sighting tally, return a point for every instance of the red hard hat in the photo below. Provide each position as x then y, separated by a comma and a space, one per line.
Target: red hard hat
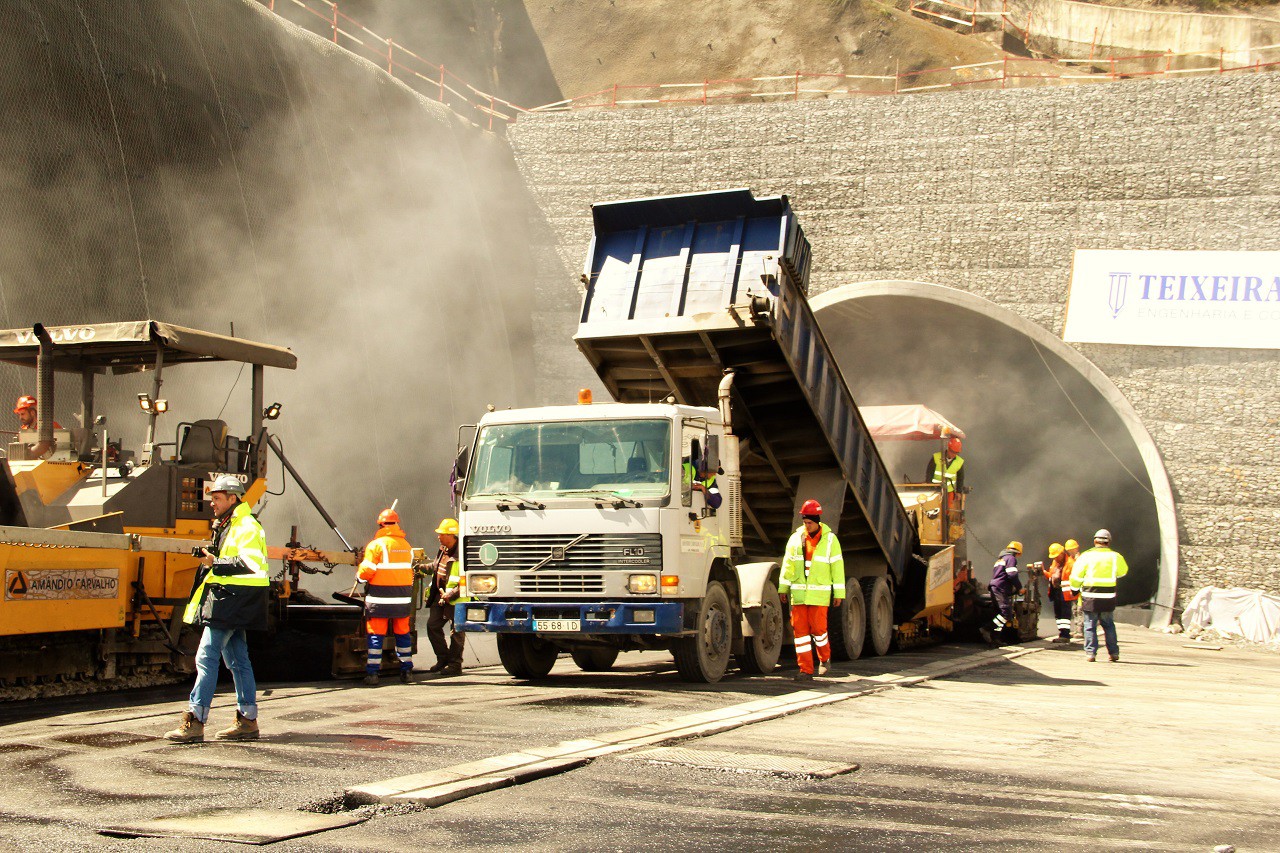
954, 445
388, 516
811, 507
26, 401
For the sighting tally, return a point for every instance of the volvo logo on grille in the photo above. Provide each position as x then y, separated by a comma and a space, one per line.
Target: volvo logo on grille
557, 553
477, 529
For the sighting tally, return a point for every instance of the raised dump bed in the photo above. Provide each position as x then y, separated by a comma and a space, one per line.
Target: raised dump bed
681, 289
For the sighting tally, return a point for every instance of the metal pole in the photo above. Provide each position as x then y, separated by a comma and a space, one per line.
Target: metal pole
104, 458
155, 395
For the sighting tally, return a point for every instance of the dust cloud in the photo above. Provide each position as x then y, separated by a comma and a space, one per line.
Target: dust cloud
211, 166
1037, 471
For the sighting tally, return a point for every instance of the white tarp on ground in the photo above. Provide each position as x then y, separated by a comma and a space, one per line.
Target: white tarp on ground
1248, 613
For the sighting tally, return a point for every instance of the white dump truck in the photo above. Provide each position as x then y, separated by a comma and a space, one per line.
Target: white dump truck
592, 528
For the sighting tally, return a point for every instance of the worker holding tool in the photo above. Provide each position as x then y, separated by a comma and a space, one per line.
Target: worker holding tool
1094, 577
443, 593
1005, 584
952, 470
1072, 548
813, 577
1058, 573
387, 569
229, 597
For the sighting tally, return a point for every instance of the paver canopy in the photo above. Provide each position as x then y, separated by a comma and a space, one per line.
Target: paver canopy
907, 423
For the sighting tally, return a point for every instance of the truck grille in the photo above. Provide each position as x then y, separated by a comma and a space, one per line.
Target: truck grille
598, 552
567, 584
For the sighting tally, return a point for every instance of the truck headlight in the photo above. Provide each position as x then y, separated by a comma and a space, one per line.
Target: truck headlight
642, 584
482, 584
475, 614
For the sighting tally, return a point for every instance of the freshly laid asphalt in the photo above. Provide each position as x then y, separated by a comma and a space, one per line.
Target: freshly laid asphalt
1175, 748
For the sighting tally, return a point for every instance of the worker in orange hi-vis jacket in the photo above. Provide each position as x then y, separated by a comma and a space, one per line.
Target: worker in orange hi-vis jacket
813, 578
387, 569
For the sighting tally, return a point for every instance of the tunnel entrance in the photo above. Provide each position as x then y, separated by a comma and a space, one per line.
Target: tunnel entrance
1054, 451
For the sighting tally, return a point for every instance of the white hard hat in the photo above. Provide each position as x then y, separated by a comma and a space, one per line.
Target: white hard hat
228, 483
1102, 535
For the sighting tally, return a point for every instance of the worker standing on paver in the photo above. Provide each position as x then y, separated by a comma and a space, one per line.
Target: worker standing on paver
1094, 577
229, 598
1005, 584
387, 569
813, 576
951, 470
1058, 573
441, 598
1077, 617
27, 410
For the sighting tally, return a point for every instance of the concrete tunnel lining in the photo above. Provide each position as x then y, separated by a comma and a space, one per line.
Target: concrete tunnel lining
1164, 600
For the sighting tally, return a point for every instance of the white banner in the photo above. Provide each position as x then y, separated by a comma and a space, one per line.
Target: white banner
1175, 298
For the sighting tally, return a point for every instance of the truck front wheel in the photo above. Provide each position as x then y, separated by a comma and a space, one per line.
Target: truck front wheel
526, 657
761, 652
594, 660
703, 658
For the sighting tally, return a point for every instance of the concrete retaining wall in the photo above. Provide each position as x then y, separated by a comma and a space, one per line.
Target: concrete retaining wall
989, 192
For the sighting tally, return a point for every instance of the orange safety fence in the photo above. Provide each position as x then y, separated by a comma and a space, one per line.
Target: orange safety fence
433, 80
437, 82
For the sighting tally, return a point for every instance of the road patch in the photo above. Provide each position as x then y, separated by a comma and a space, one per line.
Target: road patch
240, 826
742, 762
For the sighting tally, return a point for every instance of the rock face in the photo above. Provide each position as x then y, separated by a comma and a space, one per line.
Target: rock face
989, 192
208, 164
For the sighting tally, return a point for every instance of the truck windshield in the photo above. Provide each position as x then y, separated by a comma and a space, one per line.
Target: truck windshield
572, 459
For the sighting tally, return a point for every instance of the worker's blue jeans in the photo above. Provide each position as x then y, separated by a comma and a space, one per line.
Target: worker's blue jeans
1108, 622
232, 646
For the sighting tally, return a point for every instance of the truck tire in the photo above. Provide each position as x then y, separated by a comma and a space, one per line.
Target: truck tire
878, 599
847, 627
526, 657
760, 653
595, 659
703, 658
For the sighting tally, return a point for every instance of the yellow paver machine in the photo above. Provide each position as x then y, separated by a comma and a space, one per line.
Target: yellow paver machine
96, 540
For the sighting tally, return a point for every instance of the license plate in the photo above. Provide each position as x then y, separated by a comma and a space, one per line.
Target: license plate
557, 625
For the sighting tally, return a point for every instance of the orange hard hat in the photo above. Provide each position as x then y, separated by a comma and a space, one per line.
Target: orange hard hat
26, 401
811, 507
954, 445
388, 516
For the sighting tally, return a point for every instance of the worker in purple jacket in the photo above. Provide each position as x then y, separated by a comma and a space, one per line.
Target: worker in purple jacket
1005, 584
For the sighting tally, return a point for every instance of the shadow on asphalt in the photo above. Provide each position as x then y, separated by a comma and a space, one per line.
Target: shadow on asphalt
1013, 673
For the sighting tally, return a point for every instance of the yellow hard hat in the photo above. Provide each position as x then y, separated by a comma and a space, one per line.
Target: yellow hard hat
1071, 543
448, 525
1054, 550
1015, 545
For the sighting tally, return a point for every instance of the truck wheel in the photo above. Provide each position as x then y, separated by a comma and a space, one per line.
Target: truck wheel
594, 660
760, 653
848, 628
879, 603
703, 658
526, 657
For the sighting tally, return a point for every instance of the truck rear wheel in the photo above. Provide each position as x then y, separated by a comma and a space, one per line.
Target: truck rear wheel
703, 658
848, 628
879, 603
526, 657
760, 653
594, 660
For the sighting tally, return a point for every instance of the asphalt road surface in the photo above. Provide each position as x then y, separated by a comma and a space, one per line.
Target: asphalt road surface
1173, 748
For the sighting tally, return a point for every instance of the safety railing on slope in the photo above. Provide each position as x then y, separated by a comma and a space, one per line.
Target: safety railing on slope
324, 18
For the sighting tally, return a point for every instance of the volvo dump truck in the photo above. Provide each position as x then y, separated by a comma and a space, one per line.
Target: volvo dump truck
583, 526
97, 539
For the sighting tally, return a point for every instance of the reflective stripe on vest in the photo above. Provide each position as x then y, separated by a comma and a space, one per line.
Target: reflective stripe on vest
949, 471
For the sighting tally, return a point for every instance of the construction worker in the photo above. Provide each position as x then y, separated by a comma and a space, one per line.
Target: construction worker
952, 470
387, 570
443, 593
1072, 548
1005, 584
228, 598
1058, 573
1094, 576
699, 479
813, 577
27, 410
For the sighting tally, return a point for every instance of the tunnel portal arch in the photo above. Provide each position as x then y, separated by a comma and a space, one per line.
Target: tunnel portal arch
828, 306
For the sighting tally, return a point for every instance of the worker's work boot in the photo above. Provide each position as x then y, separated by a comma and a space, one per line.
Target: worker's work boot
1114, 658
438, 666
452, 669
406, 676
823, 667
988, 637
244, 729
371, 679
803, 676
1089, 658
190, 731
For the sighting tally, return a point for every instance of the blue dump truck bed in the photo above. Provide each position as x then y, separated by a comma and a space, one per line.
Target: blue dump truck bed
681, 288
